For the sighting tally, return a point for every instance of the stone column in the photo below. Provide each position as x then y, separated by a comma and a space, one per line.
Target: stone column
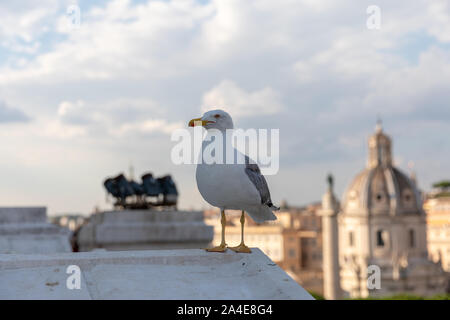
330, 209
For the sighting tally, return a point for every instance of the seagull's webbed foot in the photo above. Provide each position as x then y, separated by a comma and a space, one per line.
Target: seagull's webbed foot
242, 248
221, 248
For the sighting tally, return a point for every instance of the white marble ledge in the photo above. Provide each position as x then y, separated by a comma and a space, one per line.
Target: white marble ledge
151, 274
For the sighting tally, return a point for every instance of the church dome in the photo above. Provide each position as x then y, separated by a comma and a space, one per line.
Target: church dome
381, 189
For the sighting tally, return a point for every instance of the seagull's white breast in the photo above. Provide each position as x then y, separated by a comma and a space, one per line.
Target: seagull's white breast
226, 186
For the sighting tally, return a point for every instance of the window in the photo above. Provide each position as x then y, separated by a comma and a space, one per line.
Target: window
292, 253
380, 238
305, 223
407, 196
412, 238
350, 239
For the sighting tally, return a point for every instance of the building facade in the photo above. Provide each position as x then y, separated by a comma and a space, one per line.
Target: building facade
302, 237
382, 227
437, 207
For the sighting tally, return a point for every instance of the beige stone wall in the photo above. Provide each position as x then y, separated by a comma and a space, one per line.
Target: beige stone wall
438, 230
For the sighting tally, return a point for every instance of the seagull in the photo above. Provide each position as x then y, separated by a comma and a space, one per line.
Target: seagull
231, 186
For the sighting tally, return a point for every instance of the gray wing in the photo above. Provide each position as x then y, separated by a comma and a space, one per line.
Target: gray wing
254, 174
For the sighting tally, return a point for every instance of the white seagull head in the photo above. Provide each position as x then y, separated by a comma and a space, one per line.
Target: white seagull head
214, 119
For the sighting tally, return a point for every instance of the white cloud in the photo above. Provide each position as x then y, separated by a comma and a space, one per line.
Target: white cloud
120, 40
414, 88
23, 22
418, 91
150, 126
115, 118
440, 24
74, 112
241, 103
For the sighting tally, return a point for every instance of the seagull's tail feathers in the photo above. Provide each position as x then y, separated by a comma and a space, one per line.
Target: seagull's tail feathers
262, 213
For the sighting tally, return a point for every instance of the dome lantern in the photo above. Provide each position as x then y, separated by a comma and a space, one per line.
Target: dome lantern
380, 152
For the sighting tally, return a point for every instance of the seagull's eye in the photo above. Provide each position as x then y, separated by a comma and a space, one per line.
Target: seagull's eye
217, 116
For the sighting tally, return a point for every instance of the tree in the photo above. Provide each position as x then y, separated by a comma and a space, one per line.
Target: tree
442, 184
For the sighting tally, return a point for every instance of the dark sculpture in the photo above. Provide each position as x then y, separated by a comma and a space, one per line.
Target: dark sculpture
119, 187
151, 185
330, 181
169, 190
150, 193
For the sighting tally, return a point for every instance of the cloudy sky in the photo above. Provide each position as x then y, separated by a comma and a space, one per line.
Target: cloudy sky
79, 104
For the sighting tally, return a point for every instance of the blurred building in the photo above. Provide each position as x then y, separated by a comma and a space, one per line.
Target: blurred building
69, 221
25, 230
302, 242
380, 223
437, 207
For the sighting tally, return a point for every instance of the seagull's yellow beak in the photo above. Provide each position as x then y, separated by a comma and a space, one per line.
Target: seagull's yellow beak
198, 122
